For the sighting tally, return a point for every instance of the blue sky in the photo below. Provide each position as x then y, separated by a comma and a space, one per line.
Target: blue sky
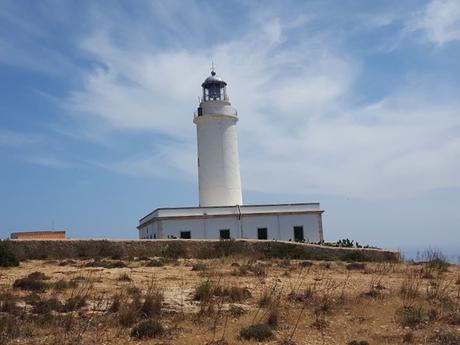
353, 104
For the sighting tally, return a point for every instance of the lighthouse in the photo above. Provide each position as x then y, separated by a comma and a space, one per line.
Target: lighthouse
218, 162
221, 214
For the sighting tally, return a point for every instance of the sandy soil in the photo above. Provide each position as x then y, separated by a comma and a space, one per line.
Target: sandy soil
341, 304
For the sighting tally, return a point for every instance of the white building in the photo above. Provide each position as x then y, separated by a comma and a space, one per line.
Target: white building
221, 214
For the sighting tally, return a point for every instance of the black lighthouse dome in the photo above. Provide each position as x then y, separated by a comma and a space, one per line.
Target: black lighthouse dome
214, 88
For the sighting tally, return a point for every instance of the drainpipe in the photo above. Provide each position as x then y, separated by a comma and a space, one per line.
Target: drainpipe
239, 220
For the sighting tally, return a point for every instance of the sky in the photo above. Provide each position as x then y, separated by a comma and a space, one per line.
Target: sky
354, 104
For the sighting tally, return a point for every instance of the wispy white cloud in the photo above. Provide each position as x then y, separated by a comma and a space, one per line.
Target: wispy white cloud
298, 123
439, 21
49, 162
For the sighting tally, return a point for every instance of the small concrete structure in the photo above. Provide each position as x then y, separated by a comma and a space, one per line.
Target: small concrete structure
296, 222
38, 235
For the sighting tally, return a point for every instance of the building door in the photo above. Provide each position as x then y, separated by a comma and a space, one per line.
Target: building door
262, 234
186, 235
298, 234
225, 234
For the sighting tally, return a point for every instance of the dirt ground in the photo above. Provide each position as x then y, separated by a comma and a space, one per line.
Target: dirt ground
212, 301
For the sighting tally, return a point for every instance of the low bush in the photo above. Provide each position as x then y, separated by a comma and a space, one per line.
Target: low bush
157, 262
152, 305
259, 332
255, 269
446, 338
67, 262
360, 342
265, 299
411, 316
38, 276
203, 291
74, 303
9, 330
174, 250
63, 284
303, 296
8, 304
408, 338
453, 317
435, 260
124, 277
128, 311
106, 264
305, 263
30, 284
7, 257
114, 306
236, 311
45, 306
355, 256
273, 317
232, 293
133, 290
147, 329
355, 266
284, 251
199, 266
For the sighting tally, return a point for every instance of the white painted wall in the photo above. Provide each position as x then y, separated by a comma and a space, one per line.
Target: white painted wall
218, 162
279, 227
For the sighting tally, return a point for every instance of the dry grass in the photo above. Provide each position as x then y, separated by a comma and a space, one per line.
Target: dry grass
234, 300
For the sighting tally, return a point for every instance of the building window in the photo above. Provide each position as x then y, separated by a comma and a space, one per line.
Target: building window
262, 234
298, 234
225, 234
186, 235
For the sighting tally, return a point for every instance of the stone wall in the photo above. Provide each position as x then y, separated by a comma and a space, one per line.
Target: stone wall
71, 249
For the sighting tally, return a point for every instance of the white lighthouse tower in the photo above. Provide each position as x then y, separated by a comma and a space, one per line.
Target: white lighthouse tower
218, 163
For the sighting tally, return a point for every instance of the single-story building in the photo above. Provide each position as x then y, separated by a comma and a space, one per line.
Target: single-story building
38, 235
287, 222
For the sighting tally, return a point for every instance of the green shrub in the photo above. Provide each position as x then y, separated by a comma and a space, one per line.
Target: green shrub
203, 291
259, 332
356, 342
147, 329
7, 257
411, 316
